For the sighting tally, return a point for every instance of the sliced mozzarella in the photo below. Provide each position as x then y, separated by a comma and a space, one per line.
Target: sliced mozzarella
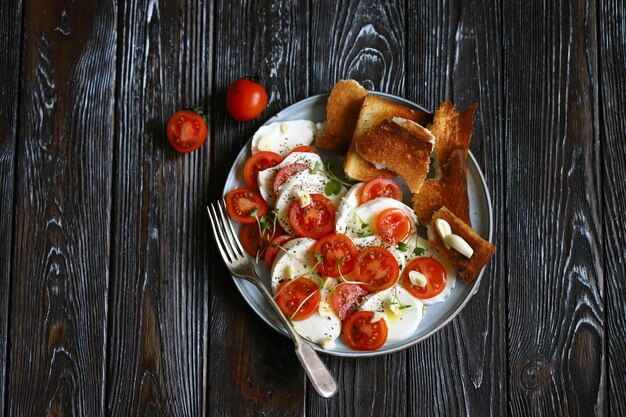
324, 326
368, 212
402, 312
416, 241
346, 213
266, 177
283, 137
302, 182
296, 260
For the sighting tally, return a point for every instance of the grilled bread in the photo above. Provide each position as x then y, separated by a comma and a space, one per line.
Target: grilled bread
448, 189
373, 112
453, 130
342, 109
468, 268
401, 146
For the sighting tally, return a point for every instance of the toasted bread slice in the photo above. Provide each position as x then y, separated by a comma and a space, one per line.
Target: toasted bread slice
448, 189
342, 110
401, 146
468, 268
374, 111
453, 130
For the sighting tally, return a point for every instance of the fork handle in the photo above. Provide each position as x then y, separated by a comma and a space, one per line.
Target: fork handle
320, 376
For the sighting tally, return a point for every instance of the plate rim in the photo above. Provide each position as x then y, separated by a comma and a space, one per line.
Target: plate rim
368, 354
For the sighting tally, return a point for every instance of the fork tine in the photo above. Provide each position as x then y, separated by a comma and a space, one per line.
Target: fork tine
221, 227
230, 230
220, 244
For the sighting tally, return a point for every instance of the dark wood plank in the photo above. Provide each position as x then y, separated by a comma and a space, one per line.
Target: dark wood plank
253, 370
456, 55
553, 218
612, 51
59, 294
10, 40
365, 41
159, 291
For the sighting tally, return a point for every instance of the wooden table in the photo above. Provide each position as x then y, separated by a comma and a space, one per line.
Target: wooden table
113, 300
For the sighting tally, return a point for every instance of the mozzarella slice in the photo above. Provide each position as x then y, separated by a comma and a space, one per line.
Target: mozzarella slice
346, 210
402, 312
283, 137
266, 177
294, 262
367, 213
416, 241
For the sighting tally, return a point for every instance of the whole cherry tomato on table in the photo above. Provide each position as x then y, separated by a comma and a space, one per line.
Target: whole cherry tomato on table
245, 99
186, 130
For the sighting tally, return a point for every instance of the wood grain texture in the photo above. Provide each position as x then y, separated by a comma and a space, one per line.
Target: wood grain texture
59, 293
555, 281
457, 56
365, 41
253, 370
612, 51
10, 40
159, 291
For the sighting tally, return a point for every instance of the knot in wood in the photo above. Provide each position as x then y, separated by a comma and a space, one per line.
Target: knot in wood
535, 373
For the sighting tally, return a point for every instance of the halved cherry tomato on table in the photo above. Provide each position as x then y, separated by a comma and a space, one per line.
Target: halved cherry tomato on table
272, 249
376, 268
186, 130
259, 162
283, 175
245, 206
360, 334
345, 299
245, 99
304, 149
299, 298
338, 253
313, 220
434, 272
393, 225
253, 243
380, 187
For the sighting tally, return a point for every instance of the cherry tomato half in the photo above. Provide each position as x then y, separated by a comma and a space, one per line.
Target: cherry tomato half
283, 175
259, 162
245, 99
272, 251
360, 334
345, 299
333, 248
186, 131
393, 225
291, 296
254, 243
376, 268
434, 272
380, 187
304, 149
241, 204
313, 220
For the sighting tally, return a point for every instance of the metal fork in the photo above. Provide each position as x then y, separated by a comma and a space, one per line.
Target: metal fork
235, 259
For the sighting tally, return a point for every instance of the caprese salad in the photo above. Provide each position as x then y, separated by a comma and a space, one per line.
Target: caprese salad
345, 260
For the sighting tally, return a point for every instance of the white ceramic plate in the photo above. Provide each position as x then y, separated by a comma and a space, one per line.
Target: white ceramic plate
436, 316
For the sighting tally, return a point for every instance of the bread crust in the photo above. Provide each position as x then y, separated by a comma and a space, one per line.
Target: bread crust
468, 268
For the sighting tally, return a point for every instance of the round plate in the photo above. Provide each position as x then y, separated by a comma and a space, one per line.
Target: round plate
437, 315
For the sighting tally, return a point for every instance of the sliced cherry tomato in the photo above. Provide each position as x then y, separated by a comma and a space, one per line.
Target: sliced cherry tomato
376, 268
245, 99
291, 296
434, 272
360, 334
258, 162
283, 175
245, 206
313, 220
393, 225
380, 187
186, 130
345, 299
335, 248
305, 149
272, 251
253, 243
